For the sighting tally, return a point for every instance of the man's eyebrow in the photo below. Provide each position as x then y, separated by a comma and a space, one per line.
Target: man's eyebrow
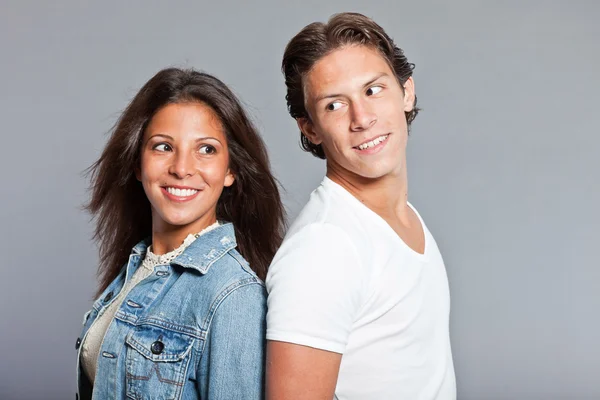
372, 81
326, 96
367, 84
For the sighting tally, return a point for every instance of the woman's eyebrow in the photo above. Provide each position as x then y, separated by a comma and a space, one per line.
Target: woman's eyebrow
200, 139
162, 135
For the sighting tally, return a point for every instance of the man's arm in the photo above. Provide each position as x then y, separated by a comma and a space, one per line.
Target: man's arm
316, 285
296, 372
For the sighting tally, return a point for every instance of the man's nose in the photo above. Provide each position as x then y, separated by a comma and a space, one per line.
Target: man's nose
363, 117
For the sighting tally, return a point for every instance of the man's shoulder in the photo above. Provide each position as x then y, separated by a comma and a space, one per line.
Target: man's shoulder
323, 236
326, 210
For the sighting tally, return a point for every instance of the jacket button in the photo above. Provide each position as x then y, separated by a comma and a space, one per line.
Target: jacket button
157, 347
108, 296
77, 344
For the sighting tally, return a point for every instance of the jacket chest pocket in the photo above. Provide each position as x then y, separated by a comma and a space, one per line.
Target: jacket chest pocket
157, 363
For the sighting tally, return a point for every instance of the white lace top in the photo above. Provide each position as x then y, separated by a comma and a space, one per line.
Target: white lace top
93, 339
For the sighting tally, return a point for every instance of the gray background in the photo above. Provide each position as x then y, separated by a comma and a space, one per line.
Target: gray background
503, 165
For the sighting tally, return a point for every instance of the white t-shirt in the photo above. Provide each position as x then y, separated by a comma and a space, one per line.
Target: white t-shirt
345, 282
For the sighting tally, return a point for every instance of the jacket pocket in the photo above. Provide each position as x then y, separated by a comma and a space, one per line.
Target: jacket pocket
157, 363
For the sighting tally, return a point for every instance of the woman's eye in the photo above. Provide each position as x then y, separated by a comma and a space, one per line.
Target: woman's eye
162, 147
374, 90
334, 106
207, 149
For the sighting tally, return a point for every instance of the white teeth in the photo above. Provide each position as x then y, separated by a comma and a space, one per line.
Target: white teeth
181, 192
373, 142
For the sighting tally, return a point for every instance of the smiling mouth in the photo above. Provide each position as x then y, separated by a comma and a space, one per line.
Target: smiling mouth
372, 143
180, 192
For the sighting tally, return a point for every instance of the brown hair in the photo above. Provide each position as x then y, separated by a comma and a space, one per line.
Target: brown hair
317, 40
118, 201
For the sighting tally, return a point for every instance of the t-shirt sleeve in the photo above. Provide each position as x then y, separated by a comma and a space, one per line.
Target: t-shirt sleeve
315, 285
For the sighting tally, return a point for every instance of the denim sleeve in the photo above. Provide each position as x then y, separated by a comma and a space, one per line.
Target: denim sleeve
233, 361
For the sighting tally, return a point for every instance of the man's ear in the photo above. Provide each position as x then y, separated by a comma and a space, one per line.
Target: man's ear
409, 94
307, 128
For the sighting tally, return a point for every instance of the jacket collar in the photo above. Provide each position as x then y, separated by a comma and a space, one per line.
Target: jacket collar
203, 251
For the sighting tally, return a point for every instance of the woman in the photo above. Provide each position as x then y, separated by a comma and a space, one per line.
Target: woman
182, 196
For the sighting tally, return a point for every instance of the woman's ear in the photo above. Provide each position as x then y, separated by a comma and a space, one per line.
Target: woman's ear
229, 178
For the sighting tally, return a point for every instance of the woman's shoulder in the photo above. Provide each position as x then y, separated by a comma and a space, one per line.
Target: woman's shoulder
234, 289
221, 275
235, 275
214, 259
233, 270
226, 286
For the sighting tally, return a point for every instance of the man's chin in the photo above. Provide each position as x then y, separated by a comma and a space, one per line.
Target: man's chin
373, 173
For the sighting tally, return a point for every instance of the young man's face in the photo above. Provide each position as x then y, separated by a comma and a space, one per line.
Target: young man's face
356, 107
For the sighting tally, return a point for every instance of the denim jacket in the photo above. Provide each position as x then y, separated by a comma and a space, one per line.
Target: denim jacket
194, 329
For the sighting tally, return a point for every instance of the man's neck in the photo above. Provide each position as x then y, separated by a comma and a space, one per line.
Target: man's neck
386, 196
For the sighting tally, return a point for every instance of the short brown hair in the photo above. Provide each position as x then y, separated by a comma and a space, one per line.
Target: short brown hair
317, 40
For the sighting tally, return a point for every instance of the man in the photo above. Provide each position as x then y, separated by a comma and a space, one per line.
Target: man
358, 302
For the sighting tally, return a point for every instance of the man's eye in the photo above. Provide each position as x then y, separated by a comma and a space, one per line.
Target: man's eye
207, 149
162, 147
334, 106
374, 90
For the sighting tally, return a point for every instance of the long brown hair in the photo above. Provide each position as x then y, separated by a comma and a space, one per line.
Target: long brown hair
118, 202
317, 40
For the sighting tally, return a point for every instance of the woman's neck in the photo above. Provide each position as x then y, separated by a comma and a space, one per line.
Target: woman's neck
166, 238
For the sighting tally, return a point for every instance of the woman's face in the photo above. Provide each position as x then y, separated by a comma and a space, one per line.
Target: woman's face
184, 166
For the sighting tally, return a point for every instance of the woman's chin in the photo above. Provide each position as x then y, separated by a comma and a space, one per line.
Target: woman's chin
179, 222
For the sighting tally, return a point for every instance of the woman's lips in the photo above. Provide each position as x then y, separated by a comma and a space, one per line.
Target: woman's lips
179, 194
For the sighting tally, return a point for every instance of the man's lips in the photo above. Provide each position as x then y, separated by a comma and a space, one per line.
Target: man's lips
372, 142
